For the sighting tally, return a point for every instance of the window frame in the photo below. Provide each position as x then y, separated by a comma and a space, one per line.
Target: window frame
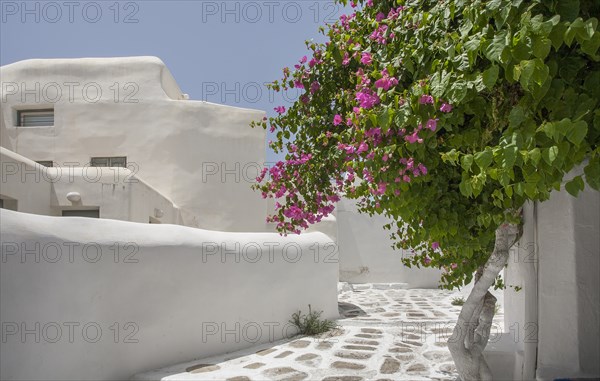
22, 113
109, 161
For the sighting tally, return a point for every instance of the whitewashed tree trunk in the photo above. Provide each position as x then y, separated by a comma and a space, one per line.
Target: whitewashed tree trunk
472, 330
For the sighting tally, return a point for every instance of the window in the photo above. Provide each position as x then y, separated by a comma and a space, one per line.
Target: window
94, 213
46, 163
8, 203
35, 118
119, 161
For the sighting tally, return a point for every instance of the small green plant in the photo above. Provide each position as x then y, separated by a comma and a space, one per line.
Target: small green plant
457, 301
311, 324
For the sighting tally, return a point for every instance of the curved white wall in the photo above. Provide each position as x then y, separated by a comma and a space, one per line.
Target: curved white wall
116, 192
185, 283
366, 254
201, 156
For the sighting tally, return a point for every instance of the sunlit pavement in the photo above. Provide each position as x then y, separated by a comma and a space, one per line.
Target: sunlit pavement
386, 333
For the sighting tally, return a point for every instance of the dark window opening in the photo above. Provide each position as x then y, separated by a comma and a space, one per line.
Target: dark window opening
90, 213
117, 161
46, 163
35, 118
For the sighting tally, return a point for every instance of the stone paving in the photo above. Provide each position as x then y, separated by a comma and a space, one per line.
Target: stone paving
386, 333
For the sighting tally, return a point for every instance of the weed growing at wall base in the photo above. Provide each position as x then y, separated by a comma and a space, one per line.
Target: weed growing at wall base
311, 324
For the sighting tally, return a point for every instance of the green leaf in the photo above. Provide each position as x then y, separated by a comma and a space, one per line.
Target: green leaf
551, 130
550, 154
567, 9
510, 156
574, 186
484, 159
516, 117
490, 76
557, 36
541, 47
533, 72
592, 173
457, 91
535, 155
465, 188
577, 132
495, 48
439, 84
572, 30
466, 162
591, 46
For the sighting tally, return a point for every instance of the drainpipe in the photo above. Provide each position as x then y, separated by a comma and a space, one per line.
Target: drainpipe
530, 272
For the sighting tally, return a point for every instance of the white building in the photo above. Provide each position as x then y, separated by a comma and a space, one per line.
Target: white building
116, 139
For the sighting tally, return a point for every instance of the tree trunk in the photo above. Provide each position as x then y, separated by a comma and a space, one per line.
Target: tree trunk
472, 330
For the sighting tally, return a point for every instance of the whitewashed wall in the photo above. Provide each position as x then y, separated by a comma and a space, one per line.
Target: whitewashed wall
173, 294
557, 265
202, 156
366, 255
116, 192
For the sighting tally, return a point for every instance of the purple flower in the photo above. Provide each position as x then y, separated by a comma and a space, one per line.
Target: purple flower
426, 99
435, 245
280, 109
432, 124
366, 58
346, 59
367, 99
314, 87
446, 107
385, 82
337, 120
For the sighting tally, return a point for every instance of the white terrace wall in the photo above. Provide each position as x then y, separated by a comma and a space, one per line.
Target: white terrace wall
131, 297
366, 254
116, 192
201, 156
557, 264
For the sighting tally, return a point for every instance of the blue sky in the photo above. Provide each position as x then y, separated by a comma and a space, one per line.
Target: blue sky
218, 51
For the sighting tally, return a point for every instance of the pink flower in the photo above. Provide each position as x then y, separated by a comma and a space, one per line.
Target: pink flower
380, 16
427, 260
414, 138
280, 109
369, 3
346, 59
432, 124
367, 99
303, 60
314, 87
385, 82
366, 58
298, 84
337, 120
435, 245
454, 266
363, 147
446, 107
426, 99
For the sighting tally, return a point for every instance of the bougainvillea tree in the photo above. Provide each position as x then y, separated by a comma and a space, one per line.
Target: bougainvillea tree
445, 116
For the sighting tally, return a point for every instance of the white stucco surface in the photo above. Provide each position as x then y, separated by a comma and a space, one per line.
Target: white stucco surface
554, 319
366, 253
202, 156
117, 192
175, 292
